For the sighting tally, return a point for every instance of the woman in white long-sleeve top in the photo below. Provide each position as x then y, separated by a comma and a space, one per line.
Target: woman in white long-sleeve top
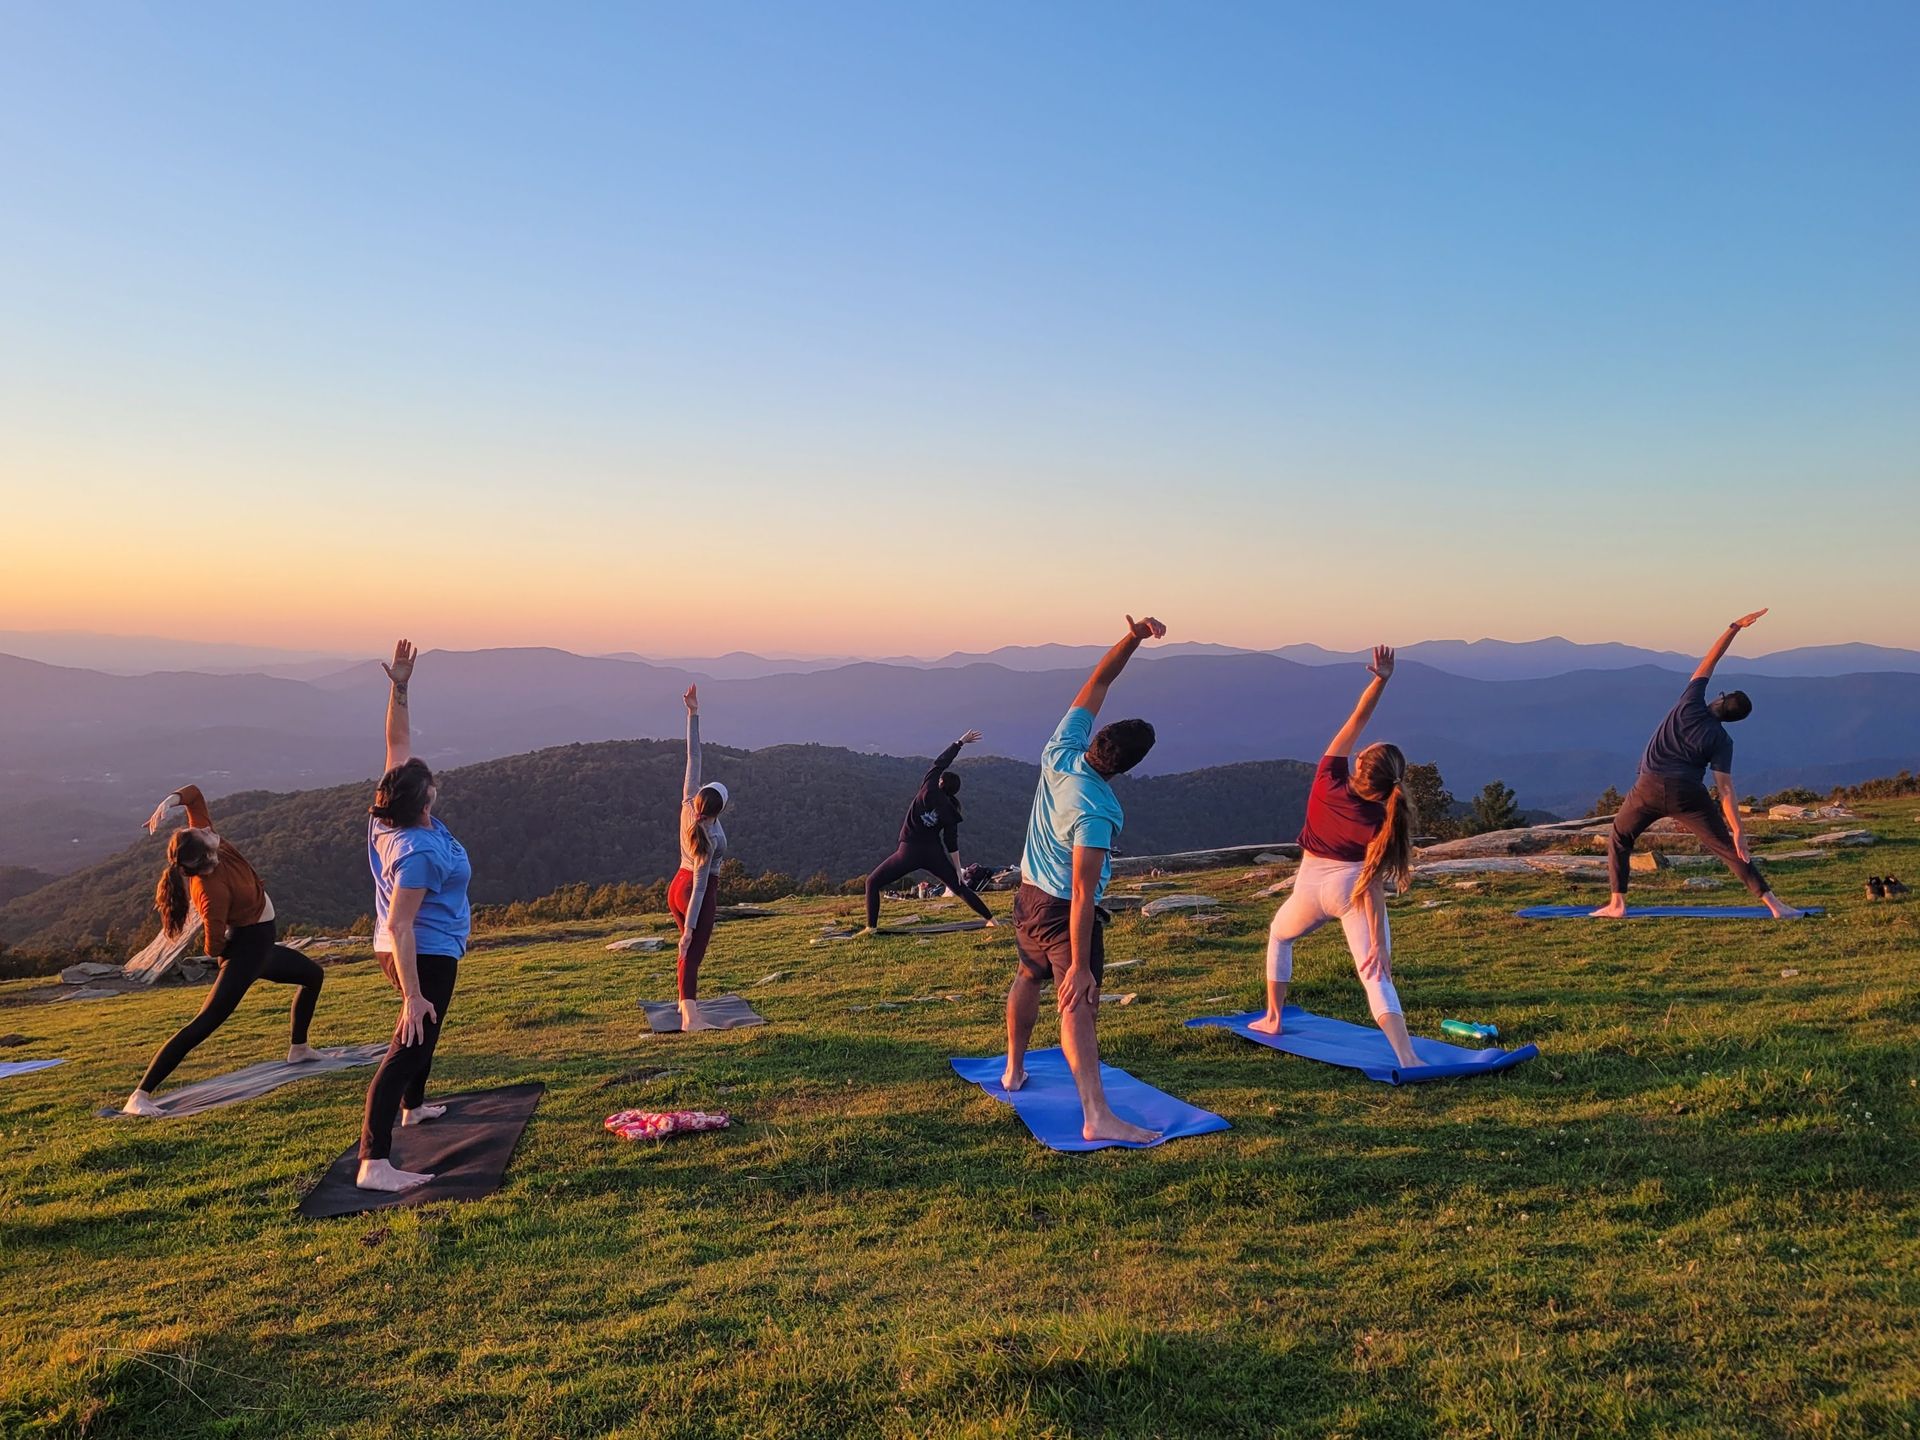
693, 897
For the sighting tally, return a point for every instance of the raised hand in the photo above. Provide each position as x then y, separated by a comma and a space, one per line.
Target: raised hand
1382, 662
160, 812
401, 670
692, 698
1147, 629
1745, 620
969, 737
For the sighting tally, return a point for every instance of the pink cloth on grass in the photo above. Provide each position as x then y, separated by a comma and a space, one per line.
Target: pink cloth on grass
658, 1124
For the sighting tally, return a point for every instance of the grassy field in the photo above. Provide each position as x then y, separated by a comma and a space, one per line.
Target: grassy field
1694, 1214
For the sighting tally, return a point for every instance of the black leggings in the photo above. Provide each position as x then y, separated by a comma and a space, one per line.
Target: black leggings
909, 858
1656, 797
402, 1076
251, 955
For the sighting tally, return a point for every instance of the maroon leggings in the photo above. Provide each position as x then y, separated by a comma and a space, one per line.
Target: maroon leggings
678, 894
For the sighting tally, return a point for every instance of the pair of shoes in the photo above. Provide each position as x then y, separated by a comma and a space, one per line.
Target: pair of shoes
1887, 887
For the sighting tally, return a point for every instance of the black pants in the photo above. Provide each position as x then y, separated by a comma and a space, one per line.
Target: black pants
402, 1076
1656, 797
251, 955
909, 858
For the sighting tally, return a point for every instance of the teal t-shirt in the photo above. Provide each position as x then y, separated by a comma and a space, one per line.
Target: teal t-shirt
1072, 806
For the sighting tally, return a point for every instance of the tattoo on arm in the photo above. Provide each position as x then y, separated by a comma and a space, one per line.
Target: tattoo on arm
400, 696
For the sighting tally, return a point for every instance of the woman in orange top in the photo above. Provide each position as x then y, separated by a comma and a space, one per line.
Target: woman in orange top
238, 915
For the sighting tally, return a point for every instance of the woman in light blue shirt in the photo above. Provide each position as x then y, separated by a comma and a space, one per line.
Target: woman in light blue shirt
421, 923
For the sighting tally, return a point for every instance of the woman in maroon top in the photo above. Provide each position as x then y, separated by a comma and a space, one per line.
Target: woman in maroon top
1359, 830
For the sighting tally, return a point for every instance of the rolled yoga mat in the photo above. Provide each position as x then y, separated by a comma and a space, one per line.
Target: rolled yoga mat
1050, 1105
723, 1012
253, 1081
466, 1151
1659, 912
1364, 1048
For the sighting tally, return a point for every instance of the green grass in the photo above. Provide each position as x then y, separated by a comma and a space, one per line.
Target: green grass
1694, 1214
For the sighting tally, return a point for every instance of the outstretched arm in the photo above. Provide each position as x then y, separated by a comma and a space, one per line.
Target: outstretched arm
947, 756
692, 786
187, 797
1093, 694
1382, 670
1704, 670
399, 726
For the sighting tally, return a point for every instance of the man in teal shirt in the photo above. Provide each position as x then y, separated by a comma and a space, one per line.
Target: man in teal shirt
1063, 876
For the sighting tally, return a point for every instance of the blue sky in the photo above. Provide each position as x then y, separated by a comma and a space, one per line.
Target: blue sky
893, 328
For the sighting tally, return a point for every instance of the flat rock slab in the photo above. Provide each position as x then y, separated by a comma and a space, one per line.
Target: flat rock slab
744, 912
640, 942
1844, 837
1166, 904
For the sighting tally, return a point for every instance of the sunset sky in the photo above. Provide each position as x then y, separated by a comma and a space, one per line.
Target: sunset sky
906, 328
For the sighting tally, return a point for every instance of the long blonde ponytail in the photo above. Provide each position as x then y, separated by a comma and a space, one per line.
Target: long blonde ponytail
1380, 773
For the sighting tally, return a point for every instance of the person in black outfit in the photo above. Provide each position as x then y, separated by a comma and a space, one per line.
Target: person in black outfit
930, 838
1672, 785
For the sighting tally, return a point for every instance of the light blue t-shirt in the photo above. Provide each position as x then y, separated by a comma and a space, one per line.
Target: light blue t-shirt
421, 857
1072, 806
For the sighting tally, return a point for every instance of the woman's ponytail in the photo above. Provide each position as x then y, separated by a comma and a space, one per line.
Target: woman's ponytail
1380, 773
170, 899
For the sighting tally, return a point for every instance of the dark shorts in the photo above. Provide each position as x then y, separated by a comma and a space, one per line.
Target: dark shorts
1043, 936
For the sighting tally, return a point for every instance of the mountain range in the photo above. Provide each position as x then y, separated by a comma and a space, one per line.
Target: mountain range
83, 754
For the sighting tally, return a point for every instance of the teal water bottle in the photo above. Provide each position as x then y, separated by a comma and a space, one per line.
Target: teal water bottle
1467, 1030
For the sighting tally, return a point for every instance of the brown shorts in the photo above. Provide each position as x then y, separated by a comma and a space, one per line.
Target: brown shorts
1043, 936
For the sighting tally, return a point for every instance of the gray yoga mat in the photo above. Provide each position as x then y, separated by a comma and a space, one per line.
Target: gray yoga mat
723, 1012
951, 927
24, 1067
253, 1081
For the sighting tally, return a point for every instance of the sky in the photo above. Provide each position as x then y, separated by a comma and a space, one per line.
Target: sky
881, 329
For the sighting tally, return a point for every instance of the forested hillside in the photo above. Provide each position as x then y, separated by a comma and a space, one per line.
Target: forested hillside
603, 813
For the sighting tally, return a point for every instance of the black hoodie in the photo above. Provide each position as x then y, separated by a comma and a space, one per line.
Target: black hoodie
934, 817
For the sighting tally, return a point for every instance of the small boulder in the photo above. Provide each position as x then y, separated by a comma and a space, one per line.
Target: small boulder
1166, 904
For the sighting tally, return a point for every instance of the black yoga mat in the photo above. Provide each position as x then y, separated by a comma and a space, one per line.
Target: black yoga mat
466, 1151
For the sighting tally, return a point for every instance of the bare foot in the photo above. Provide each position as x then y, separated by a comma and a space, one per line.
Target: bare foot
381, 1175
420, 1114
302, 1054
691, 1018
1111, 1127
1784, 912
1267, 1024
992, 925
140, 1103
1612, 910
1013, 1079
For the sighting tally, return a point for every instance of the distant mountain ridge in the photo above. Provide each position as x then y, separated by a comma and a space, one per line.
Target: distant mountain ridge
83, 756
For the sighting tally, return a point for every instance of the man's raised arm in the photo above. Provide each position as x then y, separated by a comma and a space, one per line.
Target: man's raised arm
1093, 694
1704, 670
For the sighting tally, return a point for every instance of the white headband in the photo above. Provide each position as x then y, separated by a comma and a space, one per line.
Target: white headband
718, 789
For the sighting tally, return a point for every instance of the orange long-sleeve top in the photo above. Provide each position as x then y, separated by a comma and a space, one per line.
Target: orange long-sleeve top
228, 896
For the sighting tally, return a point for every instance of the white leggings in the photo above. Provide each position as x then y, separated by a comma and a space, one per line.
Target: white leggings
1323, 891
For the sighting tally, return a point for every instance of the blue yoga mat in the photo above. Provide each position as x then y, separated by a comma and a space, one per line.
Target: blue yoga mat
1364, 1048
1051, 1106
1658, 912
